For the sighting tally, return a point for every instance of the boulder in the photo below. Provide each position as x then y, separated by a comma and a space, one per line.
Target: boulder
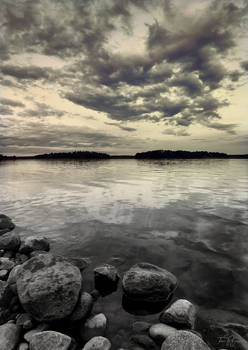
6, 264
181, 314
159, 332
40, 328
10, 241
150, 283
83, 307
94, 326
9, 336
33, 243
97, 343
107, 273
6, 224
12, 279
48, 287
184, 340
50, 340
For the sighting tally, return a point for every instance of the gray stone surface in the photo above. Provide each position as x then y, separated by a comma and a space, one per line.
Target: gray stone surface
83, 307
48, 287
32, 243
50, 340
159, 332
109, 272
181, 314
184, 340
6, 224
9, 336
97, 343
94, 326
10, 241
147, 282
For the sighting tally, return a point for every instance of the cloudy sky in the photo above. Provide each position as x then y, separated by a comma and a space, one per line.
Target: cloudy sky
123, 76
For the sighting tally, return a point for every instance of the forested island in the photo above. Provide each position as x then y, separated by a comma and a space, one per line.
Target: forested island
155, 154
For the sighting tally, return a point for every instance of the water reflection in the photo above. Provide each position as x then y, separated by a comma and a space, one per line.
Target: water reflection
187, 216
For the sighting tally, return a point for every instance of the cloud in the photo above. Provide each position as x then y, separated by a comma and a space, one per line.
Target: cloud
229, 128
8, 102
176, 132
125, 128
28, 72
244, 65
5, 110
42, 110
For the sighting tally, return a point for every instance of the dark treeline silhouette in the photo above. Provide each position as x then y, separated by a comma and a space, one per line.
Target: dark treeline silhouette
167, 154
73, 155
2, 157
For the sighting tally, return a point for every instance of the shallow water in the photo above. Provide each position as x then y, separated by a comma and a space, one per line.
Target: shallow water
189, 216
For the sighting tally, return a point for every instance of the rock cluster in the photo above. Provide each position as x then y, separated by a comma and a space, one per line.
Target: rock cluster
42, 297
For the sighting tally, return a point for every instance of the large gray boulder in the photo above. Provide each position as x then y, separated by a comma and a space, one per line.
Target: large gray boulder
6, 224
9, 336
184, 340
150, 283
50, 340
10, 241
48, 287
181, 314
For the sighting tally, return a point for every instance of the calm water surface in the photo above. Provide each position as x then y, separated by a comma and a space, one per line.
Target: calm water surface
188, 216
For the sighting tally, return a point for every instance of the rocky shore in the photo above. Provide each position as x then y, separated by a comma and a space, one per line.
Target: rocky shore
44, 304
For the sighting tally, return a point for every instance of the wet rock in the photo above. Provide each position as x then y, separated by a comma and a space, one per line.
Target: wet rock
94, 326
40, 328
140, 326
12, 279
83, 307
241, 329
159, 332
6, 224
6, 264
220, 337
23, 346
81, 263
148, 282
107, 273
181, 314
4, 274
10, 241
50, 340
9, 336
5, 294
98, 343
25, 321
143, 340
184, 340
48, 287
32, 243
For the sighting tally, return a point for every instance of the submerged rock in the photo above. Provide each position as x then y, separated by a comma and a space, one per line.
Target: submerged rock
6, 224
107, 272
140, 326
10, 241
94, 326
33, 243
50, 340
98, 343
184, 340
149, 283
9, 336
48, 287
221, 337
181, 314
83, 307
159, 332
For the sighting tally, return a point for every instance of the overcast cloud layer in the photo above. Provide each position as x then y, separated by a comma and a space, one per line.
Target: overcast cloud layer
123, 75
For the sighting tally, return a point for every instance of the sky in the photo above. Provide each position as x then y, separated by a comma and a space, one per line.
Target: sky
123, 76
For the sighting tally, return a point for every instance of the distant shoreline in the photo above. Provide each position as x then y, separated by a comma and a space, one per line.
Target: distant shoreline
149, 155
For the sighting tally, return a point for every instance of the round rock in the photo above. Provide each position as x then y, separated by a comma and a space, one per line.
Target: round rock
48, 287
10, 241
9, 336
83, 307
50, 340
33, 243
159, 332
181, 314
94, 326
184, 340
150, 283
107, 272
98, 343
6, 224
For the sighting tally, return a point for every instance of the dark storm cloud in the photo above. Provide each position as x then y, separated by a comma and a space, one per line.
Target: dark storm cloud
42, 110
173, 80
8, 102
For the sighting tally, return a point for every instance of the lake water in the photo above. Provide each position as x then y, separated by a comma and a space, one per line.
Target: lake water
189, 217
